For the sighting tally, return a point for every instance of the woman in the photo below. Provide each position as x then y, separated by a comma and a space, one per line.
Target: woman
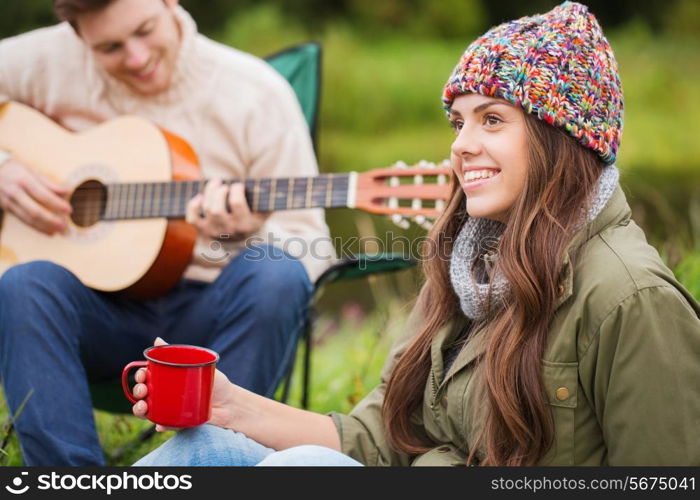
553, 335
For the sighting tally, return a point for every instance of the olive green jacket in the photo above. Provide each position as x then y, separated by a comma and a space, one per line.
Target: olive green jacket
621, 368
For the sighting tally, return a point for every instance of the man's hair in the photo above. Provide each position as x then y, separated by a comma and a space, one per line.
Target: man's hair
69, 10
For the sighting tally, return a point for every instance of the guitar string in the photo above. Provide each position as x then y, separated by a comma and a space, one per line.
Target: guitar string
166, 197
173, 206
250, 183
264, 196
167, 193
127, 192
170, 204
94, 212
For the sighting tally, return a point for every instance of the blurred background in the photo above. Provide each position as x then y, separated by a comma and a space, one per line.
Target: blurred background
385, 62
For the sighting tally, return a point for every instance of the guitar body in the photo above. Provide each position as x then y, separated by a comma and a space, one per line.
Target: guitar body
143, 257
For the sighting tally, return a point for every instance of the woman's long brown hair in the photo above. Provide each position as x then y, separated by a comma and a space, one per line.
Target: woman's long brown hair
518, 429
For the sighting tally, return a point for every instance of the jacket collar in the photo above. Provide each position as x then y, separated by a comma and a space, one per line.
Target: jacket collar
615, 212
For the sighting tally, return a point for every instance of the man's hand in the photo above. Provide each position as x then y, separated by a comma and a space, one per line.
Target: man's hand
33, 198
222, 212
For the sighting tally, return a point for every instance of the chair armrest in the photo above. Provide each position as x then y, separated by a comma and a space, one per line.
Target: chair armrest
361, 265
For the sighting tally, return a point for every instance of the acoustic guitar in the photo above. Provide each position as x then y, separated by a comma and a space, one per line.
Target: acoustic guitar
130, 181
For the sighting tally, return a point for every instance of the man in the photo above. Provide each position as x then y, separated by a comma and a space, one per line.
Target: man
144, 57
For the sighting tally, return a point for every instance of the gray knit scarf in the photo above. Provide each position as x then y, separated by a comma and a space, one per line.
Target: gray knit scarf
475, 252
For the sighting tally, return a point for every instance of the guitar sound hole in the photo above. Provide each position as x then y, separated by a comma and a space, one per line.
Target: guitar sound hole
88, 202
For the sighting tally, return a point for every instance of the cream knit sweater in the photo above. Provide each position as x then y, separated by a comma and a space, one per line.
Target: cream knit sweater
238, 114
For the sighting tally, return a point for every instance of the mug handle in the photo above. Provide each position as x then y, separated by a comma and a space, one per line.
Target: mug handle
125, 378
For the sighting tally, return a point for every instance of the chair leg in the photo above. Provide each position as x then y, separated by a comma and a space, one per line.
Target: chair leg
307, 360
144, 436
306, 369
284, 397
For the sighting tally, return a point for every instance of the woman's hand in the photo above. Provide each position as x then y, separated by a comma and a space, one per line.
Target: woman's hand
223, 396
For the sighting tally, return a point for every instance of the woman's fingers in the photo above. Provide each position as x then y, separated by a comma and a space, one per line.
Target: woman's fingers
162, 428
140, 409
140, 391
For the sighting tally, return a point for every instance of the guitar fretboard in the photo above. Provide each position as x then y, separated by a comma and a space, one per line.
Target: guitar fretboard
169, 199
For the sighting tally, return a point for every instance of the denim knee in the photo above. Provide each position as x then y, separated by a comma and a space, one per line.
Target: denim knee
206, 445
309, 455
275, 272
22, 279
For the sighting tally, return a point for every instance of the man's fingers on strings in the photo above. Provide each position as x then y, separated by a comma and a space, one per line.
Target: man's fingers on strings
194, 210
237, 202
220, 202
214, 203
35, 215
56, 188
48, 198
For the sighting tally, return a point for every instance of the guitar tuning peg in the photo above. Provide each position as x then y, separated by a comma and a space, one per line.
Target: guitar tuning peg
400, 221
427, 225
424, 164
400, 164
420, 219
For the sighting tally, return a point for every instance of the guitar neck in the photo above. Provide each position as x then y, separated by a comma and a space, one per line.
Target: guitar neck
169, 199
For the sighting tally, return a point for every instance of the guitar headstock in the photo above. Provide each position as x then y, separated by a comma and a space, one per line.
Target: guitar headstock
419, 191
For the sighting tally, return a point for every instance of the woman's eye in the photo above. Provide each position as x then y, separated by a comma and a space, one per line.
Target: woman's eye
492, 120
456, 125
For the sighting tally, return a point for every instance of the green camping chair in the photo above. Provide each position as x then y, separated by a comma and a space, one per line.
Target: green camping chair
301, 66
359, 266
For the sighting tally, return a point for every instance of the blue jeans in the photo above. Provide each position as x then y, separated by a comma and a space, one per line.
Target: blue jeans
56, 335
208, 445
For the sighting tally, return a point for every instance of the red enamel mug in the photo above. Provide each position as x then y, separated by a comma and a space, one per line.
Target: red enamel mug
180, 381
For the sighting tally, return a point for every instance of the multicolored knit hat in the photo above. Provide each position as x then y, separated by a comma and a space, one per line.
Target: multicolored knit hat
557, 66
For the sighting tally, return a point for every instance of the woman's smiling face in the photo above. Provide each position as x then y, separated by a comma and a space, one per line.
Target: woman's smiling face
489, 153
